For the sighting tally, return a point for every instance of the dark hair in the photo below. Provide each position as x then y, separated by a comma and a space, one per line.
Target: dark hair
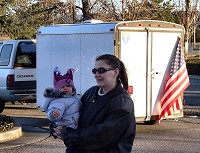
114, 62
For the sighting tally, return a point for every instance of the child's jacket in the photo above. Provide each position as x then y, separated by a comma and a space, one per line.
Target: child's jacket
69, 107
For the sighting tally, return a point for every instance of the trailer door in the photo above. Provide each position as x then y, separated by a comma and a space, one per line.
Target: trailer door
133, 50
163, 47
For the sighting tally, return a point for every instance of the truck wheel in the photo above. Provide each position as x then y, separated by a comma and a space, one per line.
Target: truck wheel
151, 122
2, 105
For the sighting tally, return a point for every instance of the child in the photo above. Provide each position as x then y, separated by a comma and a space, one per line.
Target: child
62, 105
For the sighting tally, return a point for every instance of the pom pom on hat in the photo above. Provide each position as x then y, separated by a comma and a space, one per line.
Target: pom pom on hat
62, 80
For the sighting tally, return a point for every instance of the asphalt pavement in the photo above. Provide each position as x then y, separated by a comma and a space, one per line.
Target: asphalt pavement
34, 123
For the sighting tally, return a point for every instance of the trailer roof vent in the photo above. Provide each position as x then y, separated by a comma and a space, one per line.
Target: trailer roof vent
92, 21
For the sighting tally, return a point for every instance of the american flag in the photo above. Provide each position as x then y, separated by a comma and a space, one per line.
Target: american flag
177, 82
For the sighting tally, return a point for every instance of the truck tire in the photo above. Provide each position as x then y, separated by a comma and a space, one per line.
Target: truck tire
2, 105
151, 122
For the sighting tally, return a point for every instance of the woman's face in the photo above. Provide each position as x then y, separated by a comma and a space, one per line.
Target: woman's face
107, 80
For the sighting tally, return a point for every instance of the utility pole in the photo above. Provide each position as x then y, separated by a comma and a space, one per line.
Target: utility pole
123, 10
187, 20
194, 30
195, 18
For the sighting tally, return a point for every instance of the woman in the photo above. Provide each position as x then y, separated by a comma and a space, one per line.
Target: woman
107, 121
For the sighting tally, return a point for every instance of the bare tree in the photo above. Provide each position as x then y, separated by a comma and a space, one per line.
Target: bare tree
86, 10
191, 16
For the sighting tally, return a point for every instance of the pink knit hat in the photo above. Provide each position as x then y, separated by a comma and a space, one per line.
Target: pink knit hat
62, 80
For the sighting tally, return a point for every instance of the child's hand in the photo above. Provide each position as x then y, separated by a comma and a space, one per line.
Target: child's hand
56, 113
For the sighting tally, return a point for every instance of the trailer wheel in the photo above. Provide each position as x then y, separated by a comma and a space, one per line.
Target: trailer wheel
151, 122
2, 105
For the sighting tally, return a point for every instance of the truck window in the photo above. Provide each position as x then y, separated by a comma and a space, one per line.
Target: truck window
5, 54
26, 55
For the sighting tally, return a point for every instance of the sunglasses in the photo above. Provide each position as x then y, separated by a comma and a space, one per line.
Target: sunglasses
100, 70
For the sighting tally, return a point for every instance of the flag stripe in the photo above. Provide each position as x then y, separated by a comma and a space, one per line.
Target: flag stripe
178, 74
175, 88
178, 103
175, 93
174, 96
166, 108
179, 88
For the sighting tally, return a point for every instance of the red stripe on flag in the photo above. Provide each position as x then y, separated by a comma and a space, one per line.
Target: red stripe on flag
166, 108
173, 91
175, 79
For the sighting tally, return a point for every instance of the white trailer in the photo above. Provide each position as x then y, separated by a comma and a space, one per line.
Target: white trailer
145, 46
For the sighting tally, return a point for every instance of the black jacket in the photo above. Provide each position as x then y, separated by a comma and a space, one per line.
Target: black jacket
106, 125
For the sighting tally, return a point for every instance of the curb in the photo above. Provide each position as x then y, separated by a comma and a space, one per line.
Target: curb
32, 135
11, 134
192, 110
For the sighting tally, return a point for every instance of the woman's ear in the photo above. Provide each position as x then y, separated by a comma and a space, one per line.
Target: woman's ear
116, 72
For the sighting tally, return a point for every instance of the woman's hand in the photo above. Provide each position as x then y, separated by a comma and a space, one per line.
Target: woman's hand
58, 132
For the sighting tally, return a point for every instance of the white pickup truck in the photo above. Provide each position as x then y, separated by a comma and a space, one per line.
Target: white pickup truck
17, 71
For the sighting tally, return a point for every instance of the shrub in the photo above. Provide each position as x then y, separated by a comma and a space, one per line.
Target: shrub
6, 123
193, 66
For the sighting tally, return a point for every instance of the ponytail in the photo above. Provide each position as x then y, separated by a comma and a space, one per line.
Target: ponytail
123, 77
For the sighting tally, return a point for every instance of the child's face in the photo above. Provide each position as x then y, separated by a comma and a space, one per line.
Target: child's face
67, 89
